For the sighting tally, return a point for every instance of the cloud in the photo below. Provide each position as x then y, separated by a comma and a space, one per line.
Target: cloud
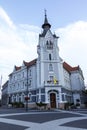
73, 44
17, 42
6, 18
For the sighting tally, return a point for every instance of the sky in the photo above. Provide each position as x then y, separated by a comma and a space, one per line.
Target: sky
20, 26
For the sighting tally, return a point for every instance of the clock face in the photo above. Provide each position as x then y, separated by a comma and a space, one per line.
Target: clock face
49, 45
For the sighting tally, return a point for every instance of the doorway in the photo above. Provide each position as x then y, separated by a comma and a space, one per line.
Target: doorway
53, 100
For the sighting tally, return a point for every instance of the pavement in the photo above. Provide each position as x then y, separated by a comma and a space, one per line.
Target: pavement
19, 119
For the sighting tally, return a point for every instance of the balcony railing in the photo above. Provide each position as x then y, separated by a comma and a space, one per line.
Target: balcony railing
52, 82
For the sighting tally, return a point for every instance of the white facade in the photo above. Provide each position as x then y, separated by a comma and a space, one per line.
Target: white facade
46, 79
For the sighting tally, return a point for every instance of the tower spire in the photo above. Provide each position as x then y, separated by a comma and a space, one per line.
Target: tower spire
46, 24
45, 11
45, 21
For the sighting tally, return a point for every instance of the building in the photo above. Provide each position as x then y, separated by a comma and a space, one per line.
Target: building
4, 99
47, 78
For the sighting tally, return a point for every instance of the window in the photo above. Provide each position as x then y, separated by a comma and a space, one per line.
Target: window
30, 72
63, 97
50, 57
18, 76
14, 77
18, 86
50, 67
23, 74
33, 98
13, 87
30, 83
51, 78
49, 45
23, 85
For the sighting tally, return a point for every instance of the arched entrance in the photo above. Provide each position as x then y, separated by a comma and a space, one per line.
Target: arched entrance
53, 100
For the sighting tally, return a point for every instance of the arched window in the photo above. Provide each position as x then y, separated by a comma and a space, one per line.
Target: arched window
49, 45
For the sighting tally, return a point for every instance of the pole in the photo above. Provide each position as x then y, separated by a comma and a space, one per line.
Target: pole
27, 92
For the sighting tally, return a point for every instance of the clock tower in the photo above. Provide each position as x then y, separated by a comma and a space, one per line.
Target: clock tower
49, 64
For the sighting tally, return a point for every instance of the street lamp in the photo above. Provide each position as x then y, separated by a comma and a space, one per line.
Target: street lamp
27, 98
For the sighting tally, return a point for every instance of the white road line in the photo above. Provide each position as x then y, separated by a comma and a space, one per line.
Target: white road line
55, 125
17, 122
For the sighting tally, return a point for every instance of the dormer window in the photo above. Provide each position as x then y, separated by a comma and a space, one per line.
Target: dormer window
49, 45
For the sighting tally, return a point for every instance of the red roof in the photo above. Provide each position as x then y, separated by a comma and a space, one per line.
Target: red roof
28, 64
17, 68
33, 62
70, 68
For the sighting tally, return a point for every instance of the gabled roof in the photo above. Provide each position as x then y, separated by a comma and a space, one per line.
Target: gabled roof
28, 64
17, 67
69, 68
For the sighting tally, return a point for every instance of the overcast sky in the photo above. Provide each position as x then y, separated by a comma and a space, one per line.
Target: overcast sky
20, 25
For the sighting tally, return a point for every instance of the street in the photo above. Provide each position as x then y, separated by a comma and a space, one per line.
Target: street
19, 119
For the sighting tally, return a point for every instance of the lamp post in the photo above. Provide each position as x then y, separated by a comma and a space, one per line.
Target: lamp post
27, 98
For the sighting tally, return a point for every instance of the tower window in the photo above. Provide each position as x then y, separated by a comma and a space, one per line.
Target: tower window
50, 67
49, 45
51, 77
50, 57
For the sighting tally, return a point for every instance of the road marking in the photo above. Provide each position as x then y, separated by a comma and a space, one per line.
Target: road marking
51, 125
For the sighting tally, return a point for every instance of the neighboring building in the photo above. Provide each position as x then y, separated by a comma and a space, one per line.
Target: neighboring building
46, 79
4, 99
77, 82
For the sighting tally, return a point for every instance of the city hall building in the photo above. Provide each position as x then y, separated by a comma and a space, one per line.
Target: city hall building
47, 79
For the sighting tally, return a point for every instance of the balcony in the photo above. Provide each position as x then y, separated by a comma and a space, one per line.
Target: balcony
51, 82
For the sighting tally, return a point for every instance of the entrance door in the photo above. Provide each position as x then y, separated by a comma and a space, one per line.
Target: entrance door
53, 100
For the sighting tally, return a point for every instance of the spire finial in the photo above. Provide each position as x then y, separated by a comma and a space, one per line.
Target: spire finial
45, 21
45, 12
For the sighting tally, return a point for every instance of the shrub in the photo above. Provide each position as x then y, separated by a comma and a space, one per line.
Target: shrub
40, 104
77, 104
85, 104
66, 105
17, 104
77, 100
